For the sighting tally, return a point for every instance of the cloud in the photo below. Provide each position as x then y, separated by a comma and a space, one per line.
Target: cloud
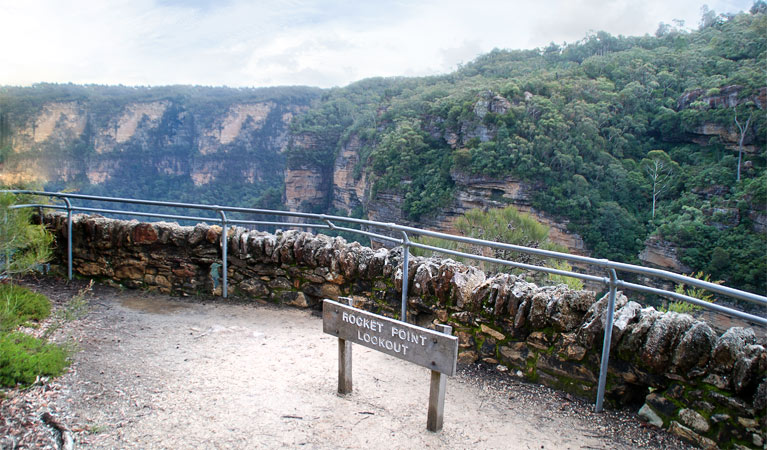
272, 42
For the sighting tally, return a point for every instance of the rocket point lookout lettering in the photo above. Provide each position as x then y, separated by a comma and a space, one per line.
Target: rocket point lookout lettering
395, 339
428, 348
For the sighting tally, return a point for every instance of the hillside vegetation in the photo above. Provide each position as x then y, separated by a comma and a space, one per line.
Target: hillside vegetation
626, 137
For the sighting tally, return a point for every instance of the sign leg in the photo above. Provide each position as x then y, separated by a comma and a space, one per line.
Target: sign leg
436, 401
437, 393
344, 367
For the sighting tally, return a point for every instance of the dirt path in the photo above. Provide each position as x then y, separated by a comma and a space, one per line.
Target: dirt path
157, 372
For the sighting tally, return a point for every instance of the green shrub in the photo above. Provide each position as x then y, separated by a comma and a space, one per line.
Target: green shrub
681, 306
23, 358
23, 246
19, 305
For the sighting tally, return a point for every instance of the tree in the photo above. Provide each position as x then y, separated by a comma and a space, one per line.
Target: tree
22, 244
659, 168
510, 226
743, 130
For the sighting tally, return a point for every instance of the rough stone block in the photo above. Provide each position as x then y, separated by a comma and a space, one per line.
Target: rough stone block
691, 436
553, 365
143, 234
491, 332
650, 416
516, 353
540, 340
661, 404
254, 288
467, 357
694, 420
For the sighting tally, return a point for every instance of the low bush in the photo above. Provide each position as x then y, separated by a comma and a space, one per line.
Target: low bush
18, 305
23, 358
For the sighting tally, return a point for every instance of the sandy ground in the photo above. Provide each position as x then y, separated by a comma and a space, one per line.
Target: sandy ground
159, 372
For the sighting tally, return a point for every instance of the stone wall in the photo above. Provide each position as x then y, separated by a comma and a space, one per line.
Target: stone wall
710, 389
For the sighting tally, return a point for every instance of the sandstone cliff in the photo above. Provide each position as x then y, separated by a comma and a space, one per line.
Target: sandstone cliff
149, 144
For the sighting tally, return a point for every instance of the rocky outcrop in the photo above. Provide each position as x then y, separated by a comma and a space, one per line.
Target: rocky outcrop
304, 188
726, 97
58, 121
701, 386
228, 128
349, 191
121, 129
662, 254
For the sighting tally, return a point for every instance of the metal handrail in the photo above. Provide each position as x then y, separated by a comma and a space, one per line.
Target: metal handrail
327, 222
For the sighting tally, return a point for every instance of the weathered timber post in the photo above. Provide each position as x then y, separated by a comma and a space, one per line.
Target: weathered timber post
345, 385
437, 392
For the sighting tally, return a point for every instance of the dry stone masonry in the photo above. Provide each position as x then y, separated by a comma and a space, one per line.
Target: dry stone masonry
710, 389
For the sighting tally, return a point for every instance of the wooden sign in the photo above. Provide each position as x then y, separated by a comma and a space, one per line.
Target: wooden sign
428, 348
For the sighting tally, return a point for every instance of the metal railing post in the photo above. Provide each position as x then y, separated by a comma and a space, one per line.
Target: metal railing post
607, 341
69, 238
224, 246
405, 264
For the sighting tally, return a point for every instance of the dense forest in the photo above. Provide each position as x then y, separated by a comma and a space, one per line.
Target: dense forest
615, 133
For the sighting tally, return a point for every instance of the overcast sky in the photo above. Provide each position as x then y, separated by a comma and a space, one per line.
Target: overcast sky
297, 42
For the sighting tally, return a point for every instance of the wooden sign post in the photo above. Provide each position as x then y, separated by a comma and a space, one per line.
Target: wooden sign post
435, 350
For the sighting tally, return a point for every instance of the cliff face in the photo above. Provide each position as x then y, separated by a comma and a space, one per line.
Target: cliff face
151, 147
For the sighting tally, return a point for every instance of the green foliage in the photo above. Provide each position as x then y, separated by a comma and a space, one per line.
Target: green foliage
18, 305
507, 225
23, 358
575, 284
694, 292
22, 245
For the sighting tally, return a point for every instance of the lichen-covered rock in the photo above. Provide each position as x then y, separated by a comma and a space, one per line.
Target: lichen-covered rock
423, 280
463, 283
662, 339
694, 348
730, 347
749, 368
634, 338
624, 317
521, 291
596, 317
538, 306
650, 416
567, 307
691, 436
694, 420
760, 396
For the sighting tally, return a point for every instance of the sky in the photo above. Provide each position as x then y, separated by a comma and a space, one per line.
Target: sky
324, 43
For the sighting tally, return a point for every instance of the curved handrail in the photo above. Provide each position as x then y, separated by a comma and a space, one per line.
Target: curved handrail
406, 230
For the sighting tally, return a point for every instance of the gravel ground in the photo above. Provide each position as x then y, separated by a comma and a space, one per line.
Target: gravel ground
152, 371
